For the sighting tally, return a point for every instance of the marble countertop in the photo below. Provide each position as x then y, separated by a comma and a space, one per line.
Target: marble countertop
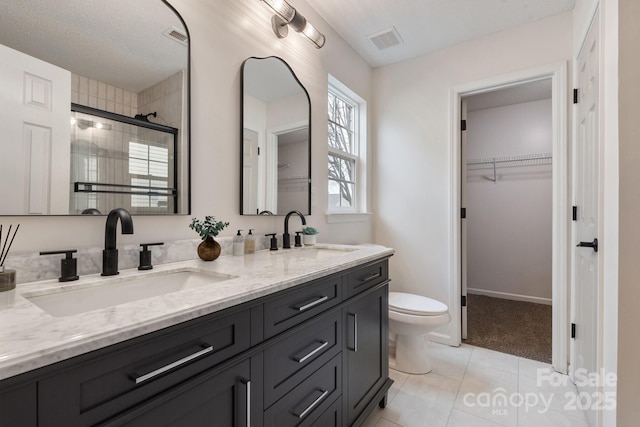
31, 338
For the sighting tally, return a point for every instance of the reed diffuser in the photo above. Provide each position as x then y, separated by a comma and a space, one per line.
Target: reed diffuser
7, 276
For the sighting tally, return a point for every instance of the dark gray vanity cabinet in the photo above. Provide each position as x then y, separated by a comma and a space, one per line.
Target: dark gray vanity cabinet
312, 355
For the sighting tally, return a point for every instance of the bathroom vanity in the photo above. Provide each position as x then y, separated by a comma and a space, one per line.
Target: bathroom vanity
296, 337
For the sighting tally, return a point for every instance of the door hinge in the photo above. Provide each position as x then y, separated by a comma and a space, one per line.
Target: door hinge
575, 213
573, 330
463, 125
258, 151
464, 300
575, 96
463, 213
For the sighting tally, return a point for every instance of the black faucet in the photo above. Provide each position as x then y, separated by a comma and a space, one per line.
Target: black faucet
286, 239
110, 252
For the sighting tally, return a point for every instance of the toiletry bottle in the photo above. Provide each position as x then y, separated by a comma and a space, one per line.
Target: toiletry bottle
250, 243
238, 244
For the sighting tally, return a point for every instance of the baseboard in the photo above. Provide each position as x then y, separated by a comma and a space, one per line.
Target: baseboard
504, 295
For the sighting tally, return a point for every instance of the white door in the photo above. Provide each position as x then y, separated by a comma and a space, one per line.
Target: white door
463, 221
249, 172
35, 152
584, 301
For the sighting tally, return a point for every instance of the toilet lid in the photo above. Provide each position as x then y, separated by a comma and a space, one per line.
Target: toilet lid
415, 304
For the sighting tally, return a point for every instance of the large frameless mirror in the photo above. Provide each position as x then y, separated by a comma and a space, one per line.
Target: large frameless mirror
94, 111
276, 140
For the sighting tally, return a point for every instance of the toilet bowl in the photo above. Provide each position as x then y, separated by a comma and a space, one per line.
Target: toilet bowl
411, 318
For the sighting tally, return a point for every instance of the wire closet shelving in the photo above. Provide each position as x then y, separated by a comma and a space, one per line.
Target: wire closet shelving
521, 160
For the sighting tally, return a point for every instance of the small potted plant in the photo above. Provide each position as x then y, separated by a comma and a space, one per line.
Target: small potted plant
209, 249
309, 235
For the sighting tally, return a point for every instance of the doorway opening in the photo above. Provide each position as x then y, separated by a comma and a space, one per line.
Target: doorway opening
507, 193
556, 75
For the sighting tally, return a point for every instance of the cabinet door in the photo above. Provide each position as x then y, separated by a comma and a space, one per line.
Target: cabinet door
366, 350
221, 400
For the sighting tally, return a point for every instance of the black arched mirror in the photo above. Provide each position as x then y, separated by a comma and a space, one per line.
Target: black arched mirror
95, 108
275, 150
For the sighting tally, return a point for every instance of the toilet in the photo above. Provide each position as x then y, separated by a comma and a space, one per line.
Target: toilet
411, 318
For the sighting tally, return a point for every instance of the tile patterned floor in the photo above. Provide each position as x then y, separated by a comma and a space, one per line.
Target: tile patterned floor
474, 387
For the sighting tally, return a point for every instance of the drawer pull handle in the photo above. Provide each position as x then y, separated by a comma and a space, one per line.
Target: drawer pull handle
165, 368
247, 384
355, 332
312, 303
302, 359
370, 277
313, 404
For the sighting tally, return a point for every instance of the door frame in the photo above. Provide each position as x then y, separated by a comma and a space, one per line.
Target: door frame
560, 193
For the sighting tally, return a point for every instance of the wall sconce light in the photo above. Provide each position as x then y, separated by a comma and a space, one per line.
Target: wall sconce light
288, 15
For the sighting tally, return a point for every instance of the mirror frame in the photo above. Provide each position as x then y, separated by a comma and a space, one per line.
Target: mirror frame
187, 103
242, 87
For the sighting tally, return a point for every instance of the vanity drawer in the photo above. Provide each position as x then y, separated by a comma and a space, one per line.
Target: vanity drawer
295, 306
291, 360
309, 400
366, 277
113, 379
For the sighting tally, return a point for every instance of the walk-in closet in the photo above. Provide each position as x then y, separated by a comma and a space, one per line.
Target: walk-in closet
508, 169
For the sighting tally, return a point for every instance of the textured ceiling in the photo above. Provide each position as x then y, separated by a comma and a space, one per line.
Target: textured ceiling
119, 42
427, 25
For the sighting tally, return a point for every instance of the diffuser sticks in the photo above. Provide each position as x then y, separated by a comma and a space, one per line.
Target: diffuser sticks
5, 249
7, 277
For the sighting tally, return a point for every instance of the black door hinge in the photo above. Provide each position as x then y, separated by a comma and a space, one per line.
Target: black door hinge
463, 213
258, 151
575, 96
463, 125
575, 213
573, 330
464, 300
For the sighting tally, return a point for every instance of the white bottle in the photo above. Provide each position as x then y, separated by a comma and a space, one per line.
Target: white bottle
238, 244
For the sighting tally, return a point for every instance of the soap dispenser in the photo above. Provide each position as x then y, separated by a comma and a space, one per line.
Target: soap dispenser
238, 244
250, 243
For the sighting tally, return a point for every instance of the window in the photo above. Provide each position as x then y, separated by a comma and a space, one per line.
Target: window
345, 156
148, 167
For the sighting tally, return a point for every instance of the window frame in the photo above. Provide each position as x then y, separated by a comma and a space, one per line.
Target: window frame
359, 146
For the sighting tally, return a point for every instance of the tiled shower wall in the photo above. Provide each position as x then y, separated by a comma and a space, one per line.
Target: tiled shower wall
96, 94
165, 98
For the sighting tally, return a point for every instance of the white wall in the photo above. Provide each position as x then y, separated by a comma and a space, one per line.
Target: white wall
223, 34
509, 221
413, 165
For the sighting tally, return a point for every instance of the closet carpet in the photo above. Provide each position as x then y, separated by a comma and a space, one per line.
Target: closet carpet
514, 327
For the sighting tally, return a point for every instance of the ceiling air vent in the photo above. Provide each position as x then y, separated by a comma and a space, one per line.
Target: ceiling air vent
176, 35
385, 38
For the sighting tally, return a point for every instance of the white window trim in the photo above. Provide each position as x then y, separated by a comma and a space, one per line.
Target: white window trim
358, 213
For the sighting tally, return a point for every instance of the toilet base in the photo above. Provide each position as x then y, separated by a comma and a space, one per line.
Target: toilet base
412, 354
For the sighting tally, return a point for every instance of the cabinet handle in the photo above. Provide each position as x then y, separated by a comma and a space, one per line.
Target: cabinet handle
312, 303
302, 359
247, 384
355, 332
313, 404
165, 368
370, 277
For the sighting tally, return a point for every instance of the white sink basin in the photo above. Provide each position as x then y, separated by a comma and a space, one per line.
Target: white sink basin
105, 293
